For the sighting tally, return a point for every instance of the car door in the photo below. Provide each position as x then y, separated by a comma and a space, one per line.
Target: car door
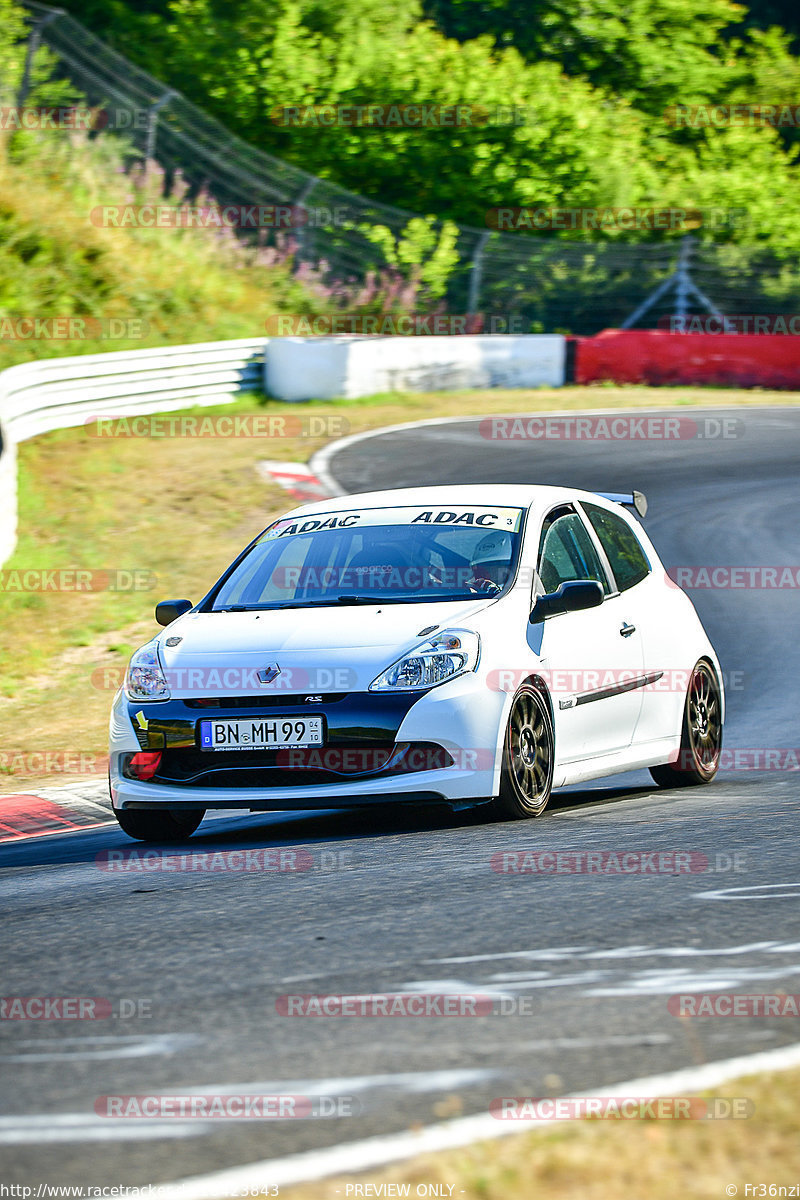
632, 571
593, 659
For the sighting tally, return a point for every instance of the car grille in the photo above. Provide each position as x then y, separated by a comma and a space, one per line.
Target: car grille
318, 766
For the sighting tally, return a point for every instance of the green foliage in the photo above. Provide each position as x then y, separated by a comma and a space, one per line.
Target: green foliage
42, 87
589, 81
423, 254
181, 285
652, 52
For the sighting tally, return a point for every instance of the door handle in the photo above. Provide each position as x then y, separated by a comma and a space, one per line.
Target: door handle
626, 630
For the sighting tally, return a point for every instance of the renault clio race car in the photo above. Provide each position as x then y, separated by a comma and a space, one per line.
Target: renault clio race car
458, 645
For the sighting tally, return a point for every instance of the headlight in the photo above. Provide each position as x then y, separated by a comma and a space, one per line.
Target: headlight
441, 658
145, 679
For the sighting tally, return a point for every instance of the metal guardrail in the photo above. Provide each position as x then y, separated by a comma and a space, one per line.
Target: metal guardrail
56, 393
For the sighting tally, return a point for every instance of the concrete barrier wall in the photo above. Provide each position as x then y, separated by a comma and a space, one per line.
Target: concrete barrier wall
323, 368
657, 356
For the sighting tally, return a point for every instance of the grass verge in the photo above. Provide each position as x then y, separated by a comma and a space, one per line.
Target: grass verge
608, 1159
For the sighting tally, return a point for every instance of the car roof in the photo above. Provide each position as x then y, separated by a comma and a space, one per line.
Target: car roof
507, 494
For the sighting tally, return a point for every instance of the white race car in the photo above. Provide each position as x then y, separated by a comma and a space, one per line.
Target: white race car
459, 645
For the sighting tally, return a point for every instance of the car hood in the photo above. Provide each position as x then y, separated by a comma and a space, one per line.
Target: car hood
317, 649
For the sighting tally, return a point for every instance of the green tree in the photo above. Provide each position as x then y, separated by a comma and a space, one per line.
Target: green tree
652, 52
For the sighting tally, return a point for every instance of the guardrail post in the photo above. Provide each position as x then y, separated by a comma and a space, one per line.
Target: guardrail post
476, 272
301, 232
34, 42
152, 124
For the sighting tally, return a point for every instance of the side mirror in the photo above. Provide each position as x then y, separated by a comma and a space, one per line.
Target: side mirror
169, 610
570, 597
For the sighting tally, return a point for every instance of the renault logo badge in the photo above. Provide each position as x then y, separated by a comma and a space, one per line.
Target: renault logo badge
270, 672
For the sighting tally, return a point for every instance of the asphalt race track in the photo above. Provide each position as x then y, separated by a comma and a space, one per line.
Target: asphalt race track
580, 966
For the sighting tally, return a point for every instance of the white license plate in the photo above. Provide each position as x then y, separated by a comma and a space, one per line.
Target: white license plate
261, 734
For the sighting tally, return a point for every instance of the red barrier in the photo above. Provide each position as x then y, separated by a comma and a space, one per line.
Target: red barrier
657, 356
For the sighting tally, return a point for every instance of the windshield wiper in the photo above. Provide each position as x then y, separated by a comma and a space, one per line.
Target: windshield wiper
359, 600
333, 601
239, 608
350, 599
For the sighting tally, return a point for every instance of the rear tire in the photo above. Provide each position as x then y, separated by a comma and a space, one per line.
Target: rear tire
151, 825
526, 776
701, 734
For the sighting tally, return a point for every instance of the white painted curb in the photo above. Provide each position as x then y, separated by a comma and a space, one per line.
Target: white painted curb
379, 1151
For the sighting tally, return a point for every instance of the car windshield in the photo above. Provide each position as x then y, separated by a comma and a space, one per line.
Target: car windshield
370, 556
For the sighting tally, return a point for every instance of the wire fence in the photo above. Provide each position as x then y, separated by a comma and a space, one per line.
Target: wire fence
540, 284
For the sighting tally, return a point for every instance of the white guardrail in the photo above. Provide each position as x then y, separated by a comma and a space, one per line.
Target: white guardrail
55, 393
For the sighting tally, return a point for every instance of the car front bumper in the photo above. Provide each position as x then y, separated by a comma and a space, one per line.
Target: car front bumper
462, 719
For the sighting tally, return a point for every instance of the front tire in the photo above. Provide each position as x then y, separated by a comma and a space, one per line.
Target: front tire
151, 825
526, 777
701, 734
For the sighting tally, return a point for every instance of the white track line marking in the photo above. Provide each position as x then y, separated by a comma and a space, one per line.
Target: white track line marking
40, 1129
753, 891
354, 1157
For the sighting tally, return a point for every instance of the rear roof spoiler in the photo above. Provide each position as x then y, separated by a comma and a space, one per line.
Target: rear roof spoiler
635, 500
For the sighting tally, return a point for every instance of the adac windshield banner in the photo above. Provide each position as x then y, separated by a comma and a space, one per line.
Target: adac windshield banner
508, 519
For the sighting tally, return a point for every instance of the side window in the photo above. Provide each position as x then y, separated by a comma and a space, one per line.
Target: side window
567, 553
628, 559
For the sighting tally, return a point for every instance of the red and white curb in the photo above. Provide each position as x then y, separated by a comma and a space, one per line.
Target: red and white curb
298, 479
54, 810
